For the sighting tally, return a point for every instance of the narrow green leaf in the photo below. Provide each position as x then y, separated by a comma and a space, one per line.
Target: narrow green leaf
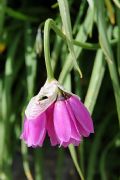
95, 81
65, 15
19, 15
81, 36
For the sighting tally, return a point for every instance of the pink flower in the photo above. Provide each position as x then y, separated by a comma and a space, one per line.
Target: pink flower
60, 114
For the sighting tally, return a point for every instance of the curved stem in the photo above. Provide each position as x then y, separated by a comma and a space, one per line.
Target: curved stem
47, 50
50, 24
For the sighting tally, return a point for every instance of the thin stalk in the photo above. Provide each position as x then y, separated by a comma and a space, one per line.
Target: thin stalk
65, 16
50, 24
92, 46
19, 15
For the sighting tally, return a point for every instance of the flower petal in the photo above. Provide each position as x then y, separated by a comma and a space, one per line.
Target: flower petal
74, 130
34, 131
50, 126
81, 113
71, 141
62, 122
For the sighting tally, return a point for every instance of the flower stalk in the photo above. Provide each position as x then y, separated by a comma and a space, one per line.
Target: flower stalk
50, 75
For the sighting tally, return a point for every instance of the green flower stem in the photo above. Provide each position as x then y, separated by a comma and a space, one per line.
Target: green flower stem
50, 24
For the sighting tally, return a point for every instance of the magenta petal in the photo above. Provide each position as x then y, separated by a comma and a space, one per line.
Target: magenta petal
34, 131
62, 121
74, 130
50, 126
71, 141
81, 113
82, 131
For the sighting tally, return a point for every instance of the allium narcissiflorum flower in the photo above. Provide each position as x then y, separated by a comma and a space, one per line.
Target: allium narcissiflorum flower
60, 114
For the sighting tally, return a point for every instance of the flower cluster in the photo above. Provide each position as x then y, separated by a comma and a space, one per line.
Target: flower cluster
60, 114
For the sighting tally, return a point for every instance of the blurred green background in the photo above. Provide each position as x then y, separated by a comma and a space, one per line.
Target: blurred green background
23, 72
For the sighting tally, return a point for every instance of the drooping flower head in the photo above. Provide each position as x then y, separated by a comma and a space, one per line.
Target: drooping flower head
59, 113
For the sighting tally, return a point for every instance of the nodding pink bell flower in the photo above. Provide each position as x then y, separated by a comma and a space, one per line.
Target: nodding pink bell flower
59, 113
